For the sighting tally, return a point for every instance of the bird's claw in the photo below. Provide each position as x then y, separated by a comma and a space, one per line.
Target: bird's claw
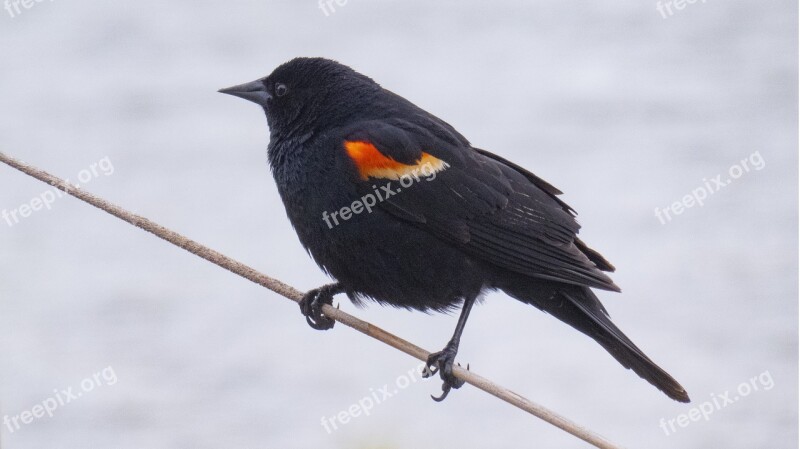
311, 308
442, 362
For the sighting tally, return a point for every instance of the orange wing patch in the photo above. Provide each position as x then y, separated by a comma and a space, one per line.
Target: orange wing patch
371, 163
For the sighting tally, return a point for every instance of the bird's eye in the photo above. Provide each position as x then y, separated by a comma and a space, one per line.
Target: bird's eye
281, 89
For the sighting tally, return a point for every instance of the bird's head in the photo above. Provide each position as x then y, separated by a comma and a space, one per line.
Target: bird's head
309, 94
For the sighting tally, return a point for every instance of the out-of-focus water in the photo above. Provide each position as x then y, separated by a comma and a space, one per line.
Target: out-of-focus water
622, 109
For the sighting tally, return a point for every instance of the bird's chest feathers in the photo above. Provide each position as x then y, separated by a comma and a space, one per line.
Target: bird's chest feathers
311, 181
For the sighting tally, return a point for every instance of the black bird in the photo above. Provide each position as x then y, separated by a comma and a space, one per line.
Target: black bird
399, 208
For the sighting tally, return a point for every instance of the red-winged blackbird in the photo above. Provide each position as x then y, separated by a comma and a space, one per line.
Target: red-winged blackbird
399, 208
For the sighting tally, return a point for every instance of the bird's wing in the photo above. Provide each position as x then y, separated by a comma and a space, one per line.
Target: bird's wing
493, 209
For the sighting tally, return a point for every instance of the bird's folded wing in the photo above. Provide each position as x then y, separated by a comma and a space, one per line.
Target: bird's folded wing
493, 209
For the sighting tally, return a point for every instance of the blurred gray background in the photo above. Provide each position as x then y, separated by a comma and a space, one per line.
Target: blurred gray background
621, 107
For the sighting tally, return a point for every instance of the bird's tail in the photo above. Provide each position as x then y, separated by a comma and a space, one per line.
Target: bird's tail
580, 308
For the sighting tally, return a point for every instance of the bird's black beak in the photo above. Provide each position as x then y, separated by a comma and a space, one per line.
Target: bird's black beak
254, 91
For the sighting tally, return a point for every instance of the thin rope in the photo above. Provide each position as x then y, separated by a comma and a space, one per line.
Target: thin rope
295, 295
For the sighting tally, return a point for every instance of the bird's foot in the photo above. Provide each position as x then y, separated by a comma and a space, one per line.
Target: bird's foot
311, 306
442, 362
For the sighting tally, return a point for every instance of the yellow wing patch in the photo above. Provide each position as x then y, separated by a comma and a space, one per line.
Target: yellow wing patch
371, 163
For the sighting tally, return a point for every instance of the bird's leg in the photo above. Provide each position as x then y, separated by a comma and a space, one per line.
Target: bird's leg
443, 360
311, 305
